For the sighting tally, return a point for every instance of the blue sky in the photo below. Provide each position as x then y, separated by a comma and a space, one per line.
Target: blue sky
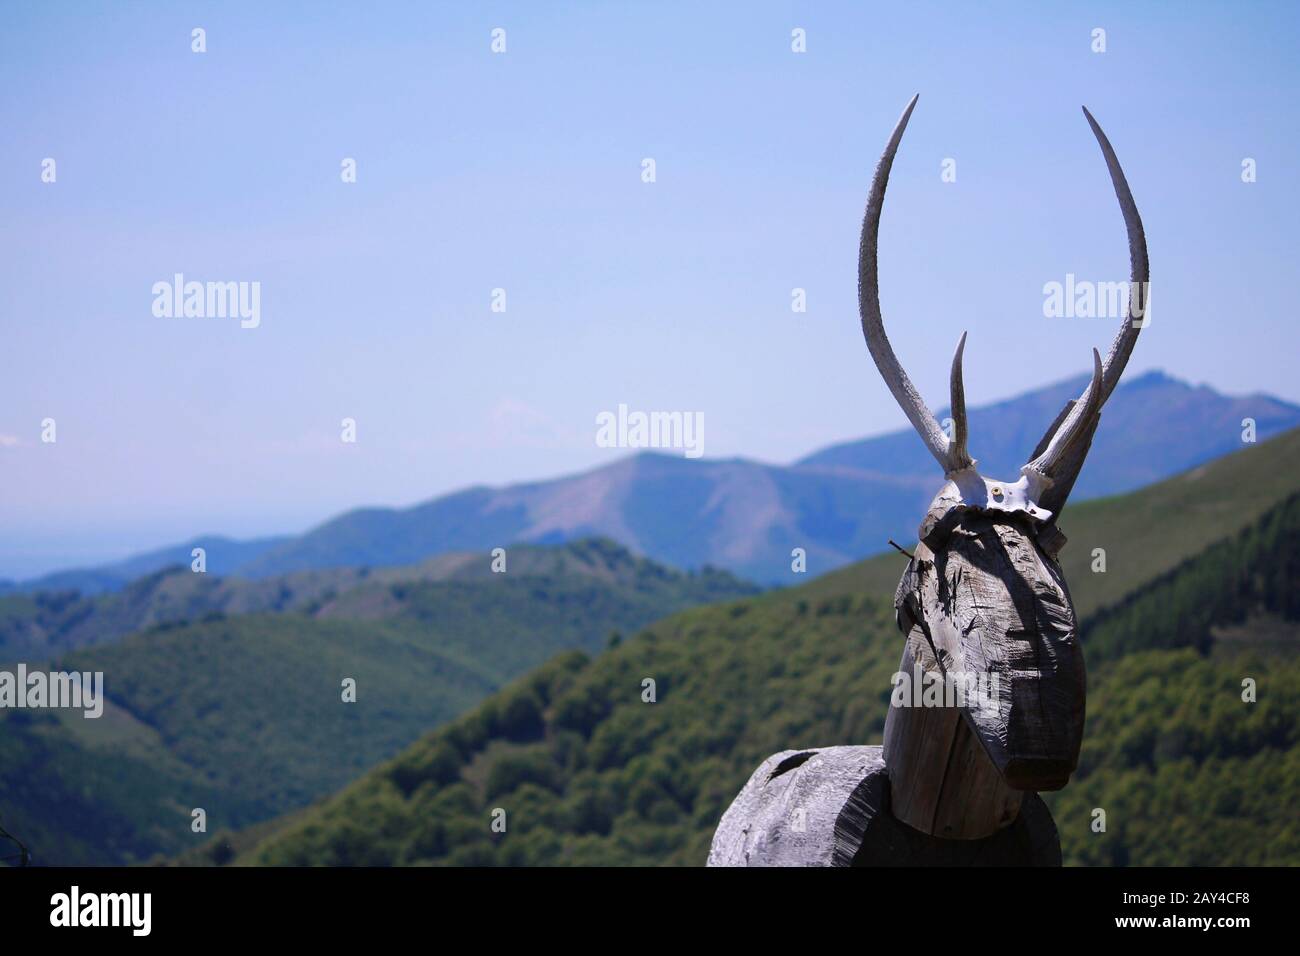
522, 171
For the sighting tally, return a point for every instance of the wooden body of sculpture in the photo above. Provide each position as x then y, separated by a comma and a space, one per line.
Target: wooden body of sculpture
984, 609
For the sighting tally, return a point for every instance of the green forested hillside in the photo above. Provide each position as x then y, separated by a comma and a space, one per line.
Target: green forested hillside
243, 715
1187, 772
588, 772
1256, 572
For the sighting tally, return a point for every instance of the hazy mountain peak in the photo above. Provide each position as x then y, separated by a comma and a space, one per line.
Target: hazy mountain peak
837, 504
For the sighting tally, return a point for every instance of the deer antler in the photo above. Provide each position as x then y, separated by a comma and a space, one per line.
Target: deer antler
1060, 458
950, 454
1053, 462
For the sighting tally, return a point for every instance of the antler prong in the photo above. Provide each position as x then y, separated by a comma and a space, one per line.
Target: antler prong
1073, 426
957, 399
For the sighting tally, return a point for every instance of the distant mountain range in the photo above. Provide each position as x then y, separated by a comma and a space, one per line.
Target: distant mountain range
838, 504
43, 624
223, 555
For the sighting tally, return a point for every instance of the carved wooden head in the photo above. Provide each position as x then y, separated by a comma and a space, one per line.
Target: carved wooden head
983, 594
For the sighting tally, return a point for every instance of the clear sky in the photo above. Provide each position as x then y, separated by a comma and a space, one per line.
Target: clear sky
523, 171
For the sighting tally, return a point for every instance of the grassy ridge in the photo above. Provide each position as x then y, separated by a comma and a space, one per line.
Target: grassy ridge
1144, 534
1254, 572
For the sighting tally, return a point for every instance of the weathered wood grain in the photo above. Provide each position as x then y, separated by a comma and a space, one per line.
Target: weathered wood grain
846, 819
941, 780
991, 602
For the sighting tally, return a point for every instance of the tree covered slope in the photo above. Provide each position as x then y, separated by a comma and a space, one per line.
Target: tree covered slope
587, 771
243, 715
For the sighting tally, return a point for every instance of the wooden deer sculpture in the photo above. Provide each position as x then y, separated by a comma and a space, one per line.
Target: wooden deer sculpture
982, 605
